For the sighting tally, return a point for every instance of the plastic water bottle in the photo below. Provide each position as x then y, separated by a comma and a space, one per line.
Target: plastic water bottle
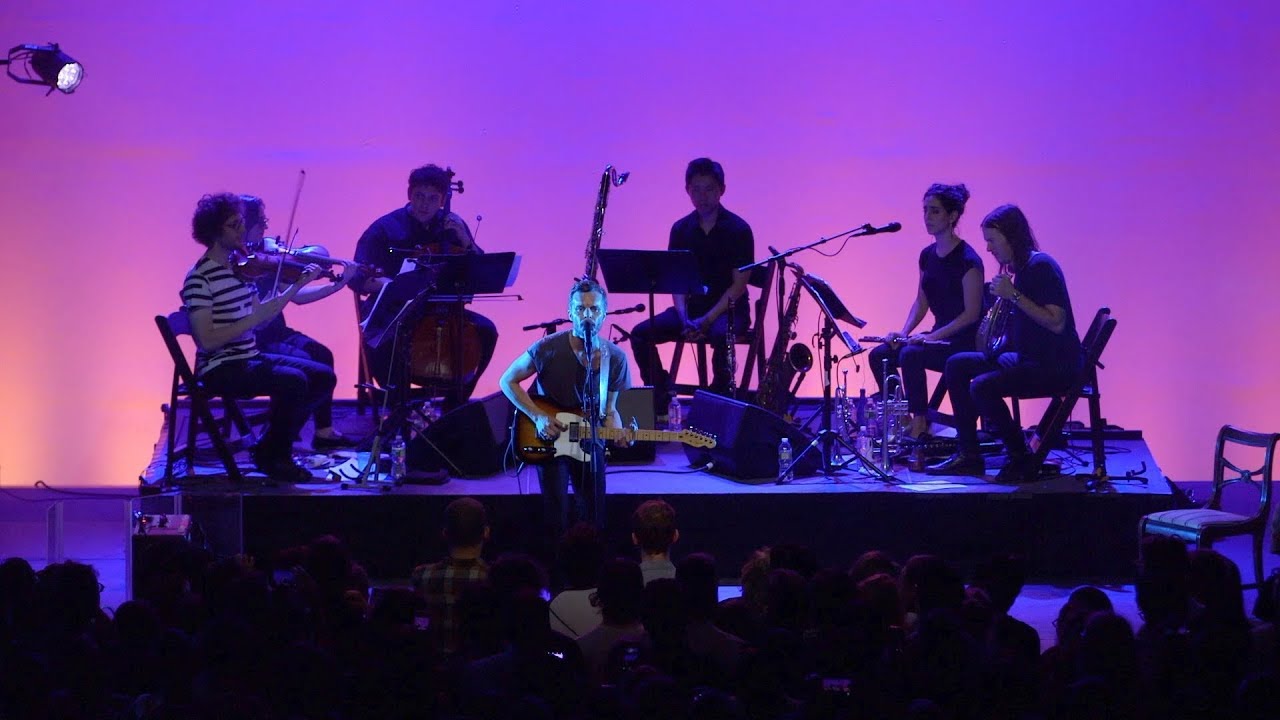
397, 460
863, 443
675, 420
784, 460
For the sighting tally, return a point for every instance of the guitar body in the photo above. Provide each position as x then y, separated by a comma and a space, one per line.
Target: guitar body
532, 449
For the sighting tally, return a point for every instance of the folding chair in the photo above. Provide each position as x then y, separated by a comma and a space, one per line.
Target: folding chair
186, 385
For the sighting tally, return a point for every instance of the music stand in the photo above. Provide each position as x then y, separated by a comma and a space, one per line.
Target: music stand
826, 439
650, 272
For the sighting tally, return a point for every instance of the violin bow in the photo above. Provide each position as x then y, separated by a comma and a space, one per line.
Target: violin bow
293, 212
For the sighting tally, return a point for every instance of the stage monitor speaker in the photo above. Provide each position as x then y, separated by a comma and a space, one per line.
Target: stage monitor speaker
636, 402
746, 439
473, 437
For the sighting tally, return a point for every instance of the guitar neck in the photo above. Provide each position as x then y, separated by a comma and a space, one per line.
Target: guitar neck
641, 435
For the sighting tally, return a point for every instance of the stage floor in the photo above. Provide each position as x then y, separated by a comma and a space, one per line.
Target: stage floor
1066, 530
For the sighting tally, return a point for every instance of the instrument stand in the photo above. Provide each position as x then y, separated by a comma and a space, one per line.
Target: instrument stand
827, 439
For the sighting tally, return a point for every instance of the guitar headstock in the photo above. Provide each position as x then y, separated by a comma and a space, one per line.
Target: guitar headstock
697, 438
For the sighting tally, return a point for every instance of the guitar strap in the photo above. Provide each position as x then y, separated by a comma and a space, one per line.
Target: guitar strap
604, 381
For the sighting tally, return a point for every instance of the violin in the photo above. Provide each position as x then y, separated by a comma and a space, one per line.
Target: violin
252, 266
318, 255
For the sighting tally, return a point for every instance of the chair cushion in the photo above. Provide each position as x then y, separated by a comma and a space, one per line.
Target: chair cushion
1194, 520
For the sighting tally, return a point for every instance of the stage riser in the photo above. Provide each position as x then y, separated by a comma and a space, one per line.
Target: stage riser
1066, 537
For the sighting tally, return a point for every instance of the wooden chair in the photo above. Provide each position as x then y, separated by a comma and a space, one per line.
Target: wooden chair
186, 385
1202, 526
761, 277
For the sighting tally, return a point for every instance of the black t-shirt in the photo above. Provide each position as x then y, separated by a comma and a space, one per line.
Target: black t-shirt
941, 278
397, 230
1042, 282
728, 246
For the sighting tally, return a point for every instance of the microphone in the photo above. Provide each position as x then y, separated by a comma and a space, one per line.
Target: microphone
588, 335
624, 311
890, 228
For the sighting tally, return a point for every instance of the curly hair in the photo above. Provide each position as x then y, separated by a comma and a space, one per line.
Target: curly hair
211, 213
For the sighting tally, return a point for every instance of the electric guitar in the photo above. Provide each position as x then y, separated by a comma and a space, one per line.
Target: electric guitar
532, 449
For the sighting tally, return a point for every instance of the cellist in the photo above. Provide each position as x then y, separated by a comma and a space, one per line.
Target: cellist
424, 225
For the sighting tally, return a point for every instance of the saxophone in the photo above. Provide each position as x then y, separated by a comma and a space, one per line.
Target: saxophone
993, 331
784, 363
610, 178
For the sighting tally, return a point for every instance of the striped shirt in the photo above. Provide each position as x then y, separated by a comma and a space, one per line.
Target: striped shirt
213, 286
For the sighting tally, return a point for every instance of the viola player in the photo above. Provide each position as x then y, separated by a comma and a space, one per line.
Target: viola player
276, 337
224, 310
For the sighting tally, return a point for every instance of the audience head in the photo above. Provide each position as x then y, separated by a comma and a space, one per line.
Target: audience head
700, 584
1080, 604
1002, 577
581, 553
620, 592
653, 527
873, 562
466, 524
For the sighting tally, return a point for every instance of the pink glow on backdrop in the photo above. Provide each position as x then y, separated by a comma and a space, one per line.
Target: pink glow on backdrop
1139, 138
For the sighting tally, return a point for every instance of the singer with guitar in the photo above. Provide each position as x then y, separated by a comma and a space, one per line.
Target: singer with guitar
574, 369
1028, 346
950, 287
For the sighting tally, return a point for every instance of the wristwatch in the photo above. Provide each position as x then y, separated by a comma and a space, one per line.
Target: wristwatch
1016, 297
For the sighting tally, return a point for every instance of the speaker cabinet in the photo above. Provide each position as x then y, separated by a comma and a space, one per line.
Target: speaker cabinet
746, 440
472, 437
636, 402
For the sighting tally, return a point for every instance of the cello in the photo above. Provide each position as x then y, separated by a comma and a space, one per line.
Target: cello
445, 345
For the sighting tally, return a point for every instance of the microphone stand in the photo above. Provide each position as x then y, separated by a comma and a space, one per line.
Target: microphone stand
860, 231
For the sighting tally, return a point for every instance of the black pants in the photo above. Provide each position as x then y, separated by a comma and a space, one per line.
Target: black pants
979, 386
913, 360
554, 478
666, 327
295, 344
296, 388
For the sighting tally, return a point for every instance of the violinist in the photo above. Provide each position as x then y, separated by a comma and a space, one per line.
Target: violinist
275, 336
225, 310
421, 228
1040, 353
949, 286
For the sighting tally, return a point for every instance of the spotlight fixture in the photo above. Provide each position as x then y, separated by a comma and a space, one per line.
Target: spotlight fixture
44, 65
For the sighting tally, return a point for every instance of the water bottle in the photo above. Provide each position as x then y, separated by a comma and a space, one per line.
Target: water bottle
784, 460
397, 460
863, 443
675, 422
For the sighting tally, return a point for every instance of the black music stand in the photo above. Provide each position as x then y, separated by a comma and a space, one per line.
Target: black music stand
650, 272
826, 439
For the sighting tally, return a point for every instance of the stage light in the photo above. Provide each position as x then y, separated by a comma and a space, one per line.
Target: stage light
44, 65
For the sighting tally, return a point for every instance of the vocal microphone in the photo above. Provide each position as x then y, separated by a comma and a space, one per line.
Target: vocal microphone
624, 311
890, 228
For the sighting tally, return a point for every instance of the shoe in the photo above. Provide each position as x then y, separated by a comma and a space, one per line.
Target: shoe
1017, 470
958, 464
279, 469
332, 443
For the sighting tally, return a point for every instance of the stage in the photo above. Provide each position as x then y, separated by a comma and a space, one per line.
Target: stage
1067, 531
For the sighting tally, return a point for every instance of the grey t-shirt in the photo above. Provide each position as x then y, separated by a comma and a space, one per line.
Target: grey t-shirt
562, 379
